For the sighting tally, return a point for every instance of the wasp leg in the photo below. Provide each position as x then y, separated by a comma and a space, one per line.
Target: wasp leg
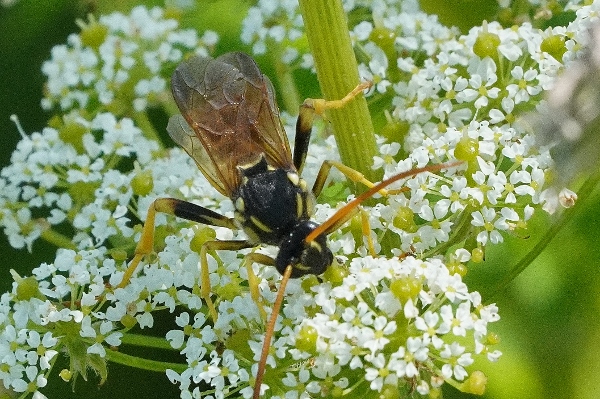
172, 206
255, 257
366, 231
205, 287
308, 110
249, 259
358, 178
347, 171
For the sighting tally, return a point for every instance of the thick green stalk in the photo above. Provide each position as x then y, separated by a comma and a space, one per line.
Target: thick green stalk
337, 70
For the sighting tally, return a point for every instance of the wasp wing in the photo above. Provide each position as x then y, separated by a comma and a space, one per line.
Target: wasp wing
233, 120
185, 137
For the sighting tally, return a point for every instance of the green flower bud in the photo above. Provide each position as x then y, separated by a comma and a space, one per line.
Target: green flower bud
142, 183
306, 340
486, 45
555, 46
406, 288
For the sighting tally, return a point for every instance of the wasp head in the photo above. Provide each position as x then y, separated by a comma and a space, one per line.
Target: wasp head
311, 257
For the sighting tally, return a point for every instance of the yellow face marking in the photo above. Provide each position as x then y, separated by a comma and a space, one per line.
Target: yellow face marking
260, 224
294, 178
309, 202
239, 205
302, 185
300, 266
299, 205
316, 246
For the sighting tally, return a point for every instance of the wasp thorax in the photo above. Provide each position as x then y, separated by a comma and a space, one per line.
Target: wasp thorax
305, 257
270, 202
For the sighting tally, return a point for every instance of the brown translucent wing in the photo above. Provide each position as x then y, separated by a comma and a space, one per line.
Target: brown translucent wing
230, 118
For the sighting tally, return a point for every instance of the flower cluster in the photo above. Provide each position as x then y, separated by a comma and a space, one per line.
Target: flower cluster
40, 318
50, 183
68, 300
280, 23
118, 63
457, 97
172, 279
46, 300
372, 327
276, 22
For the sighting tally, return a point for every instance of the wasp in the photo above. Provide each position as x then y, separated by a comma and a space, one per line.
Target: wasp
230, 126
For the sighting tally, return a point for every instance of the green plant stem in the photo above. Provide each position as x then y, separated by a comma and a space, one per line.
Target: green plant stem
582, 195
459, 232
337, 70
57, 239
143, 122
144, 364
146, 341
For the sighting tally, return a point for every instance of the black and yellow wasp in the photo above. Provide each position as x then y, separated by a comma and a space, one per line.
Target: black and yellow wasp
230, 126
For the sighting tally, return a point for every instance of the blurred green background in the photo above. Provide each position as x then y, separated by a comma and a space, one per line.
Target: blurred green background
550, 327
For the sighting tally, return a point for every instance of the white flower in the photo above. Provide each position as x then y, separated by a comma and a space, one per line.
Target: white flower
521, 90
486, 219
458, 361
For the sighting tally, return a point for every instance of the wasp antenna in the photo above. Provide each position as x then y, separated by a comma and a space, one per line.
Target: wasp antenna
269, 332
345, 211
